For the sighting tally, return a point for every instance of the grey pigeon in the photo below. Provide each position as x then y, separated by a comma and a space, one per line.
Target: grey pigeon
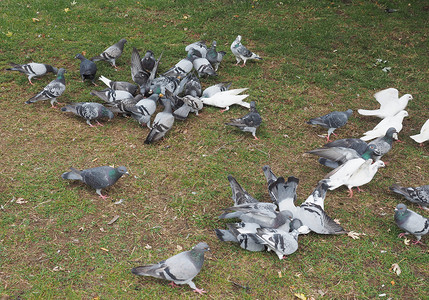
390, 104
190, 104
283, 193
214, 89
179, 269
332, 121
52, 91
203, 66
87, 68
381, 128
32, 69
108, 95
215, 57
162, 123
182, 68
125, 106
112, 53
145, 108
384, 143
199, 48
239, 194
120, 85
244, 234
139, 75
148, 62
282, 242
418, 195
336, 156
89, 111
98, 178
241, 53
411, 222
319, 194
250, 122
341, 154
269, 175
311, 214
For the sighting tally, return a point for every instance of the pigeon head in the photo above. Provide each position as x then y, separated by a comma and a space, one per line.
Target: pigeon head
401, 207
79, 56
252, 106
122, 170
105, 112
203, 247
391, 133
349, 112
238, 39
60, 73
214, 43
295, 224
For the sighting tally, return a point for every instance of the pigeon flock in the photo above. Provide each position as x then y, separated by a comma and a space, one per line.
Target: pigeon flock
257, 226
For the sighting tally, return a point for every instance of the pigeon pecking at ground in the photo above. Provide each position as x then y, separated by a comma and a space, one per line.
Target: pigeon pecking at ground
418, 195
411, 222
162, 123
112, 53
87, 68
179, 269
241, 53
32, 69
332, 121
52, 91
250, 122
98, 178
390, 103
120, 85
89, 111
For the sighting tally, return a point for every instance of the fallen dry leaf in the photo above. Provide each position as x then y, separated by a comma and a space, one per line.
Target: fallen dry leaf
280, 274
115, 218
66, 9
148, 247
20, 201
300, 296
407, 241
9, 33
180, 248
355, 235
104, 249
35, 19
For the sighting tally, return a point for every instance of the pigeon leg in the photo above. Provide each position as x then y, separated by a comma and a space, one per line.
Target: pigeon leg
98, 123
255, 137
224, 110
350, 193
29, 80
417, 242
199, 291
98, 191
244, 63
173, 284
402, 234
359, 190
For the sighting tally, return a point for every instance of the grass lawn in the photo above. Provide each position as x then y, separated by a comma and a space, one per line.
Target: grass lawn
318, 56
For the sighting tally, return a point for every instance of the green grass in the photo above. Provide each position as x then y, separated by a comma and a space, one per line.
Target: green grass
319, 56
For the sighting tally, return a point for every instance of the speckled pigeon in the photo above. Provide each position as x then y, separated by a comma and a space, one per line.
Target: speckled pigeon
418, 195
162, 123
215, 57
52, 91
98, 178
179, 269
32, 69
120, 85
89, 111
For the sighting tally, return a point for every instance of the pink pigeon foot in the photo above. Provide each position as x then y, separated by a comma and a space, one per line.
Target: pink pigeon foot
350, 193
417, 242
256, 137
98, 123
359, 190
200, 291
103, 197
401, 235
173, 284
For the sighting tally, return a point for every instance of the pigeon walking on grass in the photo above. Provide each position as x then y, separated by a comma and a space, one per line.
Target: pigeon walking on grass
112, 53
87, 68
98, 178
418, 195
411, 222
250, 122
179, 269
332, 121
390, 103
52, 91
33, 69
89, 111
241, 53
162, 123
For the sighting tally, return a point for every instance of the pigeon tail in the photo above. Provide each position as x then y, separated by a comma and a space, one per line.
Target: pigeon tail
72, 175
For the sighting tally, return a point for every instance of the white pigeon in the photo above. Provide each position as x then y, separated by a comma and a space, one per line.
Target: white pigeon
354, 173
227, 98
423, 136
241, 53
390, 103
381, 128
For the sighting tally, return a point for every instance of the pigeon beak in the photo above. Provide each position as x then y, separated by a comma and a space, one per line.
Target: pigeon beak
395, 136
126, 173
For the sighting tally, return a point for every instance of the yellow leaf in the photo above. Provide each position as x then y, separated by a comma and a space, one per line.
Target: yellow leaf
300, 296
280, 274
9, 34
66, 9
392, 282
35, 19
396, 269
104, 249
